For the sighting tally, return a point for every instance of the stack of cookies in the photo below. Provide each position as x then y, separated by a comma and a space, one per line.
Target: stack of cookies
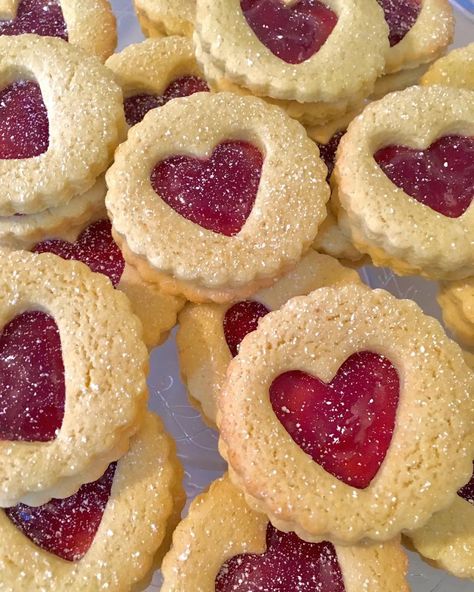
233, 181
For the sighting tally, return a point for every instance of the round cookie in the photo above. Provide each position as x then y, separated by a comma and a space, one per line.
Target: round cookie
109, 534
165, 17
89, 25
73, 376
348, 416
403, 186
247, 553
155, 71
58, 133
202, 202
457, 303
209, 335
455, 69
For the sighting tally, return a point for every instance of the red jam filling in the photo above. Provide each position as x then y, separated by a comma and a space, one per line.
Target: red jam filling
66, 527
95, 247
24, 123
440, 177
41, 17
346, 426
217, 193
288, 565
400, 15
467, 492
293, 33
32, 388
328, 152
137, 106
240, 320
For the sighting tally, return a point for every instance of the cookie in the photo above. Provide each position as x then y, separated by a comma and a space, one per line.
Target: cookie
455, 69
108, 534
73, 377
457, 303
248, 553
202, 202
348, 416
165, 17
209, 335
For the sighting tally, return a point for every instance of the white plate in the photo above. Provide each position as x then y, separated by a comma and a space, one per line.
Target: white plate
197, 444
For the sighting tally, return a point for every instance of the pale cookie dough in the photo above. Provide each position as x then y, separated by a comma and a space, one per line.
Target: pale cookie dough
166, 17
105, 363
86, 123
457, 303
146, 497
204, 355
220, 526
380, 218
185, 258
455, 69
431, 448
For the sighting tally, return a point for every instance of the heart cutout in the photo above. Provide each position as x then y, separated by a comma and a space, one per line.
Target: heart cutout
346, 426
288, 564
400, 16
294, 33
24, 123
241, 319
32, 387
137, 106
95, 247
467, 492
440, 177
41, 17
217, 193
66, 527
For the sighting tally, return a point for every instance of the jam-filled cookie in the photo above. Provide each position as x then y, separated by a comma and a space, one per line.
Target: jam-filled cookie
93, 245
166, 17
248, 553
457, 303
300, 54
203, 203
88, 24
447, 539
61, 118
209, 335
403, 179
455, 69
155, 71
73, 376
106, 536
347, 415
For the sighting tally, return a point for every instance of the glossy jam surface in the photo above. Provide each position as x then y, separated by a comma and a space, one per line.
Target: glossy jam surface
467, 492
293, 33
137, 106
32, 387
41, 17
66, 527
346, 426
240, 320
400, 15
328, 152
24, 123
217, 193
95, 247
288, 565
440, 177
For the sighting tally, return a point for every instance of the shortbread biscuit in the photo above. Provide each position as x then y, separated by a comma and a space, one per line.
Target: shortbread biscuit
166, 17
455, 69
457, 303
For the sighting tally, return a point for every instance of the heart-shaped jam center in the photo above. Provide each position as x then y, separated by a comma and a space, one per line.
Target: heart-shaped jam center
328, 152
41, 17
95, 247
66, 527
240, 320
346, 426
440, 177
24, 123
467, 492
137, 106
32, 388
217, 193
400, 15
288, 565
293, 32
